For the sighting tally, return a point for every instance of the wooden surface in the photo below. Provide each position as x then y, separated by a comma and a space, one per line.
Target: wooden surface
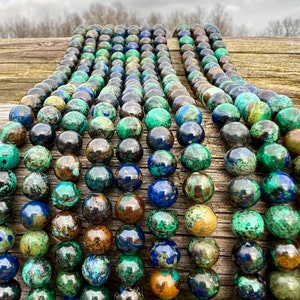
268, 63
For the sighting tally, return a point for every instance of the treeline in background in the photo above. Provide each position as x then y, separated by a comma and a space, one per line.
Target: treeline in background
118, 13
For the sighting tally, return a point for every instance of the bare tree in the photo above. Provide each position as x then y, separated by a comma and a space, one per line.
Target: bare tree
221, 19
286, 27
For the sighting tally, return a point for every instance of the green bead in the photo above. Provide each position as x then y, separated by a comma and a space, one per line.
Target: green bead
46, 292
243, 99
34, 243
156, 102
256, 111
37, 159
247, 224
220, 52
90, 292
130, 269
288, 119
79, 105
101, 127
74, 120
296, 168
8, 183
279, 103
36, 186
129, 127
104, 109
158, 117
265, 131
9, 156
186, 40
68, 283
283, 221
7, 238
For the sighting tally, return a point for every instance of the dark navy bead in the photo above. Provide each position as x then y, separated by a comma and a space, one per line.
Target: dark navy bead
160, 138
22, 114
99, 178
9, 266
128, 178
190, 132
69, 142
10, 290
129, 151
42, 134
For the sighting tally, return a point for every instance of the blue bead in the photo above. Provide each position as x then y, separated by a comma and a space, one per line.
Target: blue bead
225, 112
162, 193
128, 178
22, 114
9, 266
190, 132
162, 164
188, 113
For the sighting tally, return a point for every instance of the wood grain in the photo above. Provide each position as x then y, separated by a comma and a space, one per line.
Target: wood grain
269, 63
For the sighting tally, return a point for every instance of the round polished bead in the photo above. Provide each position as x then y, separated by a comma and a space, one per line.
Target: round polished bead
74, 121
56, 102
65, 195
10, 290
165, 283
36, 186
284, 285
99, 178
129, 151
6, 209
99, 150
34, 243
49, 115
36, 272
125, 292
156, 102
188, 113
256, 111
163, 223
37, 159
243, 99
132, 109
248, 256
296, 168
7, 238
44, 292
90, 292
204, 252
278, 103
13, 133
69, 142
158, 117
130, 269
247, 224
195, 157
288, 119
79, 105
190, 132
217, 98
291, 141
204, 283
9, 266
164, 254
68, 255
9, 156
33, 101
279, 188
162, 163
129, 127
199, 187
240, 161
129, 208
42, 134
265, 131
244, 192
104, 109
8, 183
35, 215
249, 286
67, 168
160, 138
282, 221
65, 226
68, 283
96, 269
101, 127
235, 134
225, 113
128, 177
22, 114
200, 220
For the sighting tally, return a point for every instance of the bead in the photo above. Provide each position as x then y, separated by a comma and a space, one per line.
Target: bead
200, 220
216, 99
235, 134
165, 283
6, 210
132, 109
67, 168
99, 178
8, 183
204, 283
265, 131
125, 292
36, 272
288, 119
249, 286
296, 168
291, 141
156, 102
162, 163
74, 121
65, 195
35, 215
104, 109
128, 177
46, 292
160, 138
42, 134
247, 224
278, 103
99, 150
9, 156
34, 243
188, 113
198, 187
49, 115
90, 292
243, 99
13, 133
279, 188
37, 159
68, 255
129, 208
248, 256
158, 117
9, 266
129, 127
57, 102
164, 254
65, 226
36, 186
129, 151
33, 101
96, 269
244, 192
22, 114
256, 111
69, 142
225, 113
129, 269
195, 157
7, 238
68, 283
10, 290
190, 132
101, 127
163, 223
79, 105
240, 161
284, 285
283, 221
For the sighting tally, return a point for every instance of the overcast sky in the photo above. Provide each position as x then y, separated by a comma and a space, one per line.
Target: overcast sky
255, 14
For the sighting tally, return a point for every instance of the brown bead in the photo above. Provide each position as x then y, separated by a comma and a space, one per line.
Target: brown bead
181, 101
67, 168
224, 60
291, 141
201, 38
228, 67
211, 72
13, 133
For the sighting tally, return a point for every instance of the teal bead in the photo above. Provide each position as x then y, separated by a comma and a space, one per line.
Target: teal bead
158, 117
186, 40
188, 113
104, 109
79, 105
130, 269
99, 178
8, 183
220, 52
10, 290
49, 115
129, 127
162, 163
37, 159
75, 121
273, 157
9, 156
265, 131
247, 224
225, 113
283, 221
243, 99
256, 111
101, 127
36, 272
288, 119
279, 103
7, 238
34, 243
90, 292
68, 283
46, 292
36, 186
195, 157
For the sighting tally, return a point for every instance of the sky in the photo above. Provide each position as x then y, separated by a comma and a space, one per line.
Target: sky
255, 14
